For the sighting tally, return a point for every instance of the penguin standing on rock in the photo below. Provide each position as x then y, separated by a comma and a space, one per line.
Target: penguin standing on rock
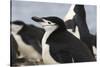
60, 46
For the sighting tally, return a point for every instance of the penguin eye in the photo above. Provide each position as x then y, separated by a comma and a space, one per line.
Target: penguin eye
49, 22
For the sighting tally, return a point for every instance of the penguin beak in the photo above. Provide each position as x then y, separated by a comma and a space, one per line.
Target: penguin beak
42, 21
37, 19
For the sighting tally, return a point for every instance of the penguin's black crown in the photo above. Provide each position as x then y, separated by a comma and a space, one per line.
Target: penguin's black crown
17, 22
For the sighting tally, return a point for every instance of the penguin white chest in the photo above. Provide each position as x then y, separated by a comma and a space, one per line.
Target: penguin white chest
47, 58
26, 50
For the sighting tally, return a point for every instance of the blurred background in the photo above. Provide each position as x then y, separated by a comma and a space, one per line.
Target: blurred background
24, 10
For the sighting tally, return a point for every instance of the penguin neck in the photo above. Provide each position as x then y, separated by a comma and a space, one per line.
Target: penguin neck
47, 58
47, 33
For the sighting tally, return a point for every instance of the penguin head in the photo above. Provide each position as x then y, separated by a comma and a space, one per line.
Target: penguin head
16, 26
50, 22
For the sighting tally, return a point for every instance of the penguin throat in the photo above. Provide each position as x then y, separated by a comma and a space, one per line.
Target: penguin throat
48, 33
